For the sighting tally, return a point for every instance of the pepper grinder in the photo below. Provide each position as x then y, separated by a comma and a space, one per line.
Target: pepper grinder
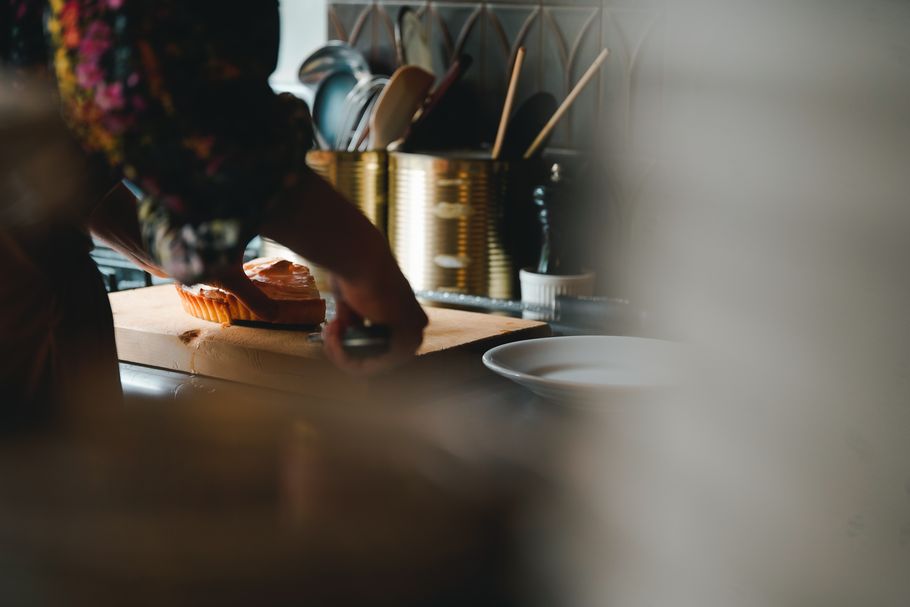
558, 271
552, 199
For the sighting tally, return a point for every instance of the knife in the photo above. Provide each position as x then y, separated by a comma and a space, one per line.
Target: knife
358, 341
361, 341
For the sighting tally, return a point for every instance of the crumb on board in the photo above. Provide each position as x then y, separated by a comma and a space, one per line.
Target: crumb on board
188, 336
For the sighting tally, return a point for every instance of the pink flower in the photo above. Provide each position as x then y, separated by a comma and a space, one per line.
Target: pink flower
114, 4
109, 96
92, 48
88, 75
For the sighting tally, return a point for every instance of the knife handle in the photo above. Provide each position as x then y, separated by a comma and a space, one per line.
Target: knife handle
366, 341
362, 341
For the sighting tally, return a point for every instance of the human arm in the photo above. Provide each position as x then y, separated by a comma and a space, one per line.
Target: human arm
114, 221
317, 222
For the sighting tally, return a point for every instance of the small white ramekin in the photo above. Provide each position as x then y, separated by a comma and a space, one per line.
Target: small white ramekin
542, 289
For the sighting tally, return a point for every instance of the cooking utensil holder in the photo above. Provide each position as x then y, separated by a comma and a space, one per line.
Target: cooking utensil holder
446, 222
362, 177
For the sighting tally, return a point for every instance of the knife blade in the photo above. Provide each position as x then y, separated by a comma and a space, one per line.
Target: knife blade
361, 341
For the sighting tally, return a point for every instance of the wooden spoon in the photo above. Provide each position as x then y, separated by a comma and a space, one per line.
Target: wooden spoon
569, 100
529, 119
399, 101
507, 106
452, 76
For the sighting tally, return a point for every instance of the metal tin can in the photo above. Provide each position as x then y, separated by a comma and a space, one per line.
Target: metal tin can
362, 178
445, 222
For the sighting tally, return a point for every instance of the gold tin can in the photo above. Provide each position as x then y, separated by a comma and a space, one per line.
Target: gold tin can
445, 222
361, 176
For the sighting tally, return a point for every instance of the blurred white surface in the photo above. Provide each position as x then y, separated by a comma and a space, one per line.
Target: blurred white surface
304, 27
769, 224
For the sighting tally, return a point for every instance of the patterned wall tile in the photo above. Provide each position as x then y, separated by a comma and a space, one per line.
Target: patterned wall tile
561, 38
507, 28
573, 39
369, 28
630, 76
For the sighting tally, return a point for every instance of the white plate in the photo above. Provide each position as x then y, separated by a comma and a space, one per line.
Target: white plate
588, 366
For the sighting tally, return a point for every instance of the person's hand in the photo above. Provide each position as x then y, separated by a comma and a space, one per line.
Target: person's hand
318, 223
114, 220
383, 297
235, 280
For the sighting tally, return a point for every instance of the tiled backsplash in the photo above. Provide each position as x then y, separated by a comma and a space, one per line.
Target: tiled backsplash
562, 38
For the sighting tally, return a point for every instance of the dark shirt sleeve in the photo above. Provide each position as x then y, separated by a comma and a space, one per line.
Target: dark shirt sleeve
173, 95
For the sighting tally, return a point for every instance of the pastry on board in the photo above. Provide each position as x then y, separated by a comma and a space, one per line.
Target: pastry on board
290, 285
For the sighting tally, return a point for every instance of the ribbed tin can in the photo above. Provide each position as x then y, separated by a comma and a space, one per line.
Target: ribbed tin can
360, 176
445, 222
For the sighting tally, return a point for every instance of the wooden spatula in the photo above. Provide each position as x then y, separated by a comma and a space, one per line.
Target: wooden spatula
399, 101
412, 42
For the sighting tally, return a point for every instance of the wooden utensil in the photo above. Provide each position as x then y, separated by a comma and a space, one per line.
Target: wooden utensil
529, 118
451, 77
411, 37
399, 101
507, 106
570, 99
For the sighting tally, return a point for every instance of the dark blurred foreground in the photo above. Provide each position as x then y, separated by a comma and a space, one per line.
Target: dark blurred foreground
240, 501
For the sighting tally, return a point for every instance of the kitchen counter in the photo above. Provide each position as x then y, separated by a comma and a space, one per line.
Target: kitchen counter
152, 329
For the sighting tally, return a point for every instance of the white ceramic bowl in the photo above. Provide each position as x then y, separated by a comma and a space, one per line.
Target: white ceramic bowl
586, 367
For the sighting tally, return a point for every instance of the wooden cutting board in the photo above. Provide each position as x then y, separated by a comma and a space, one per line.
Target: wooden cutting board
152, 329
